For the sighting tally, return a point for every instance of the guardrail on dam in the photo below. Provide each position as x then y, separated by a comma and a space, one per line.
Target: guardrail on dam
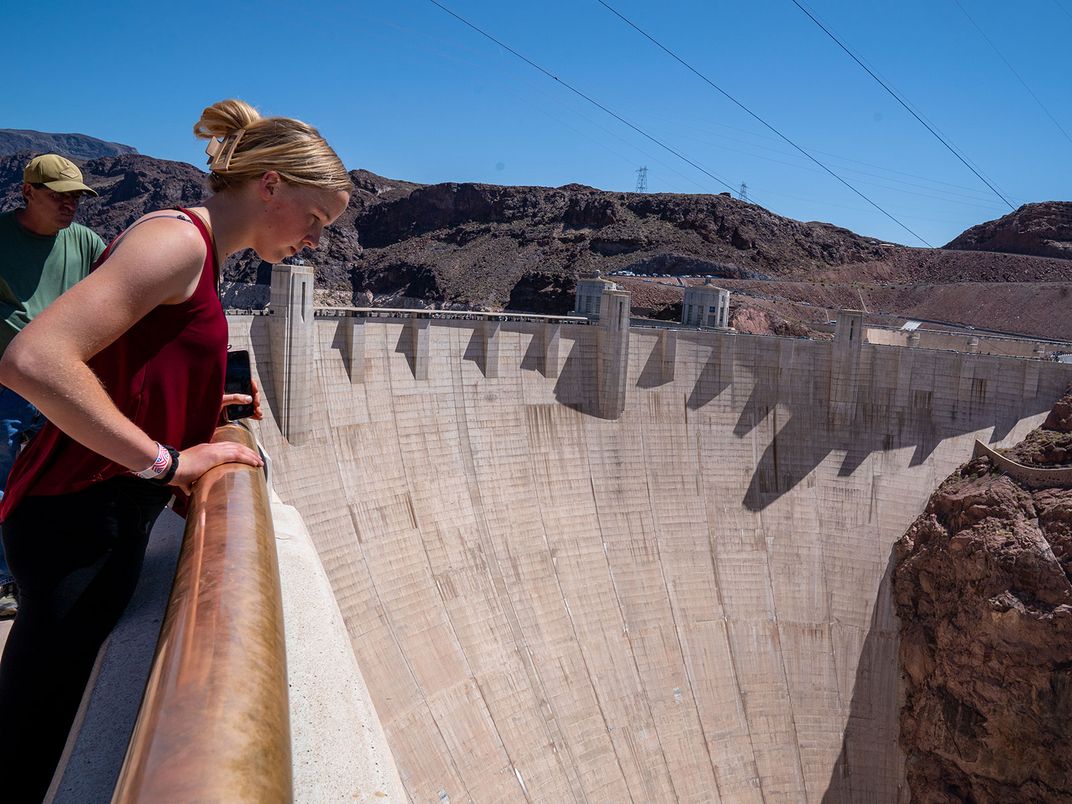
188, 697
601, 563
214, 721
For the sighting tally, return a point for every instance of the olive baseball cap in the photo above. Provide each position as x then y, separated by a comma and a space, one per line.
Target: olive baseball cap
56, 173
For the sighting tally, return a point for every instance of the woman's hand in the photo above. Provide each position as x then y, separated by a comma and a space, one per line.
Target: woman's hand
197, 460
245, 399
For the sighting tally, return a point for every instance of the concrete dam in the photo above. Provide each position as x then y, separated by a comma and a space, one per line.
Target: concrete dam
608, 563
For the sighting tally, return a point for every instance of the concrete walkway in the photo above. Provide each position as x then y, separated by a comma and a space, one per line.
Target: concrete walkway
1029, 475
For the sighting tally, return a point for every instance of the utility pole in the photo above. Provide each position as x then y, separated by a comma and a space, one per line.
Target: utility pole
642, 180
743, 192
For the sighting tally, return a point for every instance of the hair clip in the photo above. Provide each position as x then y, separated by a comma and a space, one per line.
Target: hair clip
220, 151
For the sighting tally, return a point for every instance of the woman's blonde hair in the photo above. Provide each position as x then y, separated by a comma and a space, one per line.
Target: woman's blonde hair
243, 145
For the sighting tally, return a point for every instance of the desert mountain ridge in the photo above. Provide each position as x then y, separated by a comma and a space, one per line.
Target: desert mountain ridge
482, 246
1041, 230
73, 146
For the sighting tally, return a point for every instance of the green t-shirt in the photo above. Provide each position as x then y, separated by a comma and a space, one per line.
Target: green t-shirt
36, 269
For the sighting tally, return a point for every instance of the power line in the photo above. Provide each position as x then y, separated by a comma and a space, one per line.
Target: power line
413, 33
628, 159
576, 91
1013, 70
908, 108
725, 94
755, 135
937, 193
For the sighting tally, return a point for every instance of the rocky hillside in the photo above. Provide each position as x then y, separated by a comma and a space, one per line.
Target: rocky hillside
522, 247
983, 588
1041, 230
492, 247
73, 146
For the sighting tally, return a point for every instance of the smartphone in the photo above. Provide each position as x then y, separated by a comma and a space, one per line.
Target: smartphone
239, 381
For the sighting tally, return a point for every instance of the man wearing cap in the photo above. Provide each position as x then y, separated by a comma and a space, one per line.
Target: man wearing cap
42, 254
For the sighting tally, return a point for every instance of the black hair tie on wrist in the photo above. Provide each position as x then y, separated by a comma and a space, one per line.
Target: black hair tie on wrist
169, 475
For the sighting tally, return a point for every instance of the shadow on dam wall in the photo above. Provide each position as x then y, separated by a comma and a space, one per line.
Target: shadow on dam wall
875, 689
894, 403
566, 582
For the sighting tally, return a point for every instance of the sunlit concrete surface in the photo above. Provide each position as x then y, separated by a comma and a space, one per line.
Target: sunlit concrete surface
688, 600
339, 749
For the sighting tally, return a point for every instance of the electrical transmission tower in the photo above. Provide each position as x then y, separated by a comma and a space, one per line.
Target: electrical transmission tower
642, 180
743, 192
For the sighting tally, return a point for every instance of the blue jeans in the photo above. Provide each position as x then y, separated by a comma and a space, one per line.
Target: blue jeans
19, 420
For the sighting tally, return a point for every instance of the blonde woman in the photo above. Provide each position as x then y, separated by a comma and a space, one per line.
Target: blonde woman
128, 368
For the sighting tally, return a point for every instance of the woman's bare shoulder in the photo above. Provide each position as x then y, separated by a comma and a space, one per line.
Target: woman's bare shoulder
176, 223
168, 240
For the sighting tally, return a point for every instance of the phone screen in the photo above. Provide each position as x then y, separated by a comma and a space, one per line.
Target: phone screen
238, 381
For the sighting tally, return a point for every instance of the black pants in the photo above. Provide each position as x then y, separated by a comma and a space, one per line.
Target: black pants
76, 558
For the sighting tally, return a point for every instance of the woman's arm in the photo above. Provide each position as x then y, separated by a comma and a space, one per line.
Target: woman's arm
160, 262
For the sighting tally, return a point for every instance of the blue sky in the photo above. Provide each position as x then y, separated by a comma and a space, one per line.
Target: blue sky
405, 90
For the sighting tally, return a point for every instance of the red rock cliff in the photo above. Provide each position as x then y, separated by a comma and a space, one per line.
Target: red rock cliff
983, 593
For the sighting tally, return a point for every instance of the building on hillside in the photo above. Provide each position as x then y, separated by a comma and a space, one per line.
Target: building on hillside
590, 295
706, 306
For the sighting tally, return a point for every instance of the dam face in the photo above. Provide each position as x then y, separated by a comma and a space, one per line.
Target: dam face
585, 566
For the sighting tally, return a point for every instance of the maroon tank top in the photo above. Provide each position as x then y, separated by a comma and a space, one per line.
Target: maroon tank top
165, 374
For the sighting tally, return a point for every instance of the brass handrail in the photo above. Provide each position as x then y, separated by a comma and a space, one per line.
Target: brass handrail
214, 722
